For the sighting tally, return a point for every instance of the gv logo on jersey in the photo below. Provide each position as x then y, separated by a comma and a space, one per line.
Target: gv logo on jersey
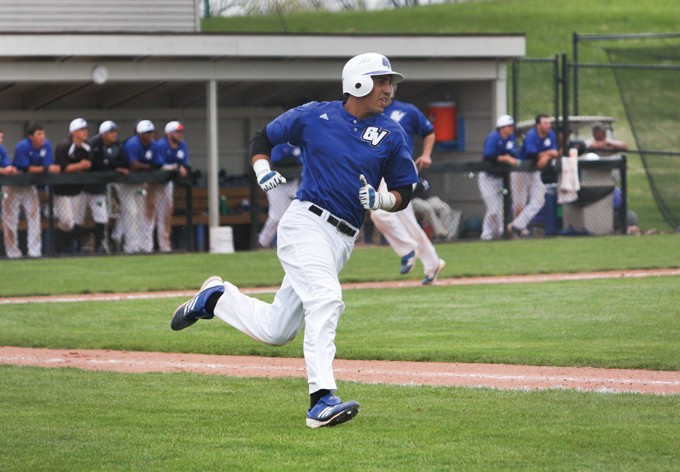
374, 136
397, 115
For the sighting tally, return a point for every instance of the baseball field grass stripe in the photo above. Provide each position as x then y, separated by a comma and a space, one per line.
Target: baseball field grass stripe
67, 419
261, 269
616, 323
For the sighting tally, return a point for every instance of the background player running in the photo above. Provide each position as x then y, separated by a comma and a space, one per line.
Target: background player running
401, 229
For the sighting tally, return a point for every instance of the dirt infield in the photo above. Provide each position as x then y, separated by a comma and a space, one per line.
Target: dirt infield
392, 372
403, 373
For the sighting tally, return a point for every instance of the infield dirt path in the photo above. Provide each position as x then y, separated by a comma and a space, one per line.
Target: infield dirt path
407, 373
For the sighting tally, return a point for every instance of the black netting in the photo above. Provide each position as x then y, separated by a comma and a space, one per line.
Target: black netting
648, 90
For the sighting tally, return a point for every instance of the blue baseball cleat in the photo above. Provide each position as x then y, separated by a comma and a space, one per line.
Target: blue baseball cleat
330, 411
407, 263
431, 278
193, 310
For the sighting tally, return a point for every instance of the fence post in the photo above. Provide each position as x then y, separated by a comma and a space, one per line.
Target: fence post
515, 90
507, 201
624, 195
574, 42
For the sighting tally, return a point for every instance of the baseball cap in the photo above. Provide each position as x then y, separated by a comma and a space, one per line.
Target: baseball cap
107, 126
77, 124
504, 120
173, 126
145, 126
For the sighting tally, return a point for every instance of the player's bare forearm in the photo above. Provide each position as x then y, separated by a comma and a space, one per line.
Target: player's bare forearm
545, 157
258, 157
397, 202
507, 159
424, 161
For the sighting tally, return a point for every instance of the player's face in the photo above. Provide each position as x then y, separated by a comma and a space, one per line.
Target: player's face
599, 134
38, 138
110, 137
146, 138
80, 135
176, 136
543, 126
380, 96
506, 130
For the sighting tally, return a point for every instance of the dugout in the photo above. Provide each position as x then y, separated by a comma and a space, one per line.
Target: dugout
223, 87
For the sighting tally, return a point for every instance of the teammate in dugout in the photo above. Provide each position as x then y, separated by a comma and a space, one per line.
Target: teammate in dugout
174, 152
401, 229
32, 155
347, 148
106, 156
74, 155
528, 191
499, 148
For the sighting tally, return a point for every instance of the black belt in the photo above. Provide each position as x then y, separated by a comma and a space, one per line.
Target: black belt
343, 227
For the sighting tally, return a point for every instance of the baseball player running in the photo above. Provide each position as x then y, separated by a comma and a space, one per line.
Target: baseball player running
401, 229
32, 155
528, 191
500, 148
347, 148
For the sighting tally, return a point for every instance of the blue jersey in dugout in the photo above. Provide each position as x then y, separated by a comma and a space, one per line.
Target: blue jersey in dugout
533, 144
337, 148
411, 119
4, 158
495, 145
170, 155
25, 155
135, 151
286, 155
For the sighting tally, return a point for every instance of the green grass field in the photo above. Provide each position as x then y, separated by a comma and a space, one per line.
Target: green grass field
65, 419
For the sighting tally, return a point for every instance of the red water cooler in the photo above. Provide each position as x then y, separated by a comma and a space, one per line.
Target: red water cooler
443, 117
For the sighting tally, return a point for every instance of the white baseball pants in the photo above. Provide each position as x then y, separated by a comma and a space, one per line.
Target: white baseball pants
491, 188
163, 206
17, 197
402, 231
69, 210
312, 253
279, 199
134, 222
528, 197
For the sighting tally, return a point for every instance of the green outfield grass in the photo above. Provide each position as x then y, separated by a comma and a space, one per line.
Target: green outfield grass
62, 419
261, 268
599, 323
68, 420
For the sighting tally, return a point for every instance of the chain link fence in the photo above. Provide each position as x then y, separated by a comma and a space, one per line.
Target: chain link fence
632, 79
454, 208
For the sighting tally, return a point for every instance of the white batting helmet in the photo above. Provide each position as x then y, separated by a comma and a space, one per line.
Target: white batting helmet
357, 73
504, 120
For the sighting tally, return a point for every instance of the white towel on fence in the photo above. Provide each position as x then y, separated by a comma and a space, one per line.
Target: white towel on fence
567, 182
